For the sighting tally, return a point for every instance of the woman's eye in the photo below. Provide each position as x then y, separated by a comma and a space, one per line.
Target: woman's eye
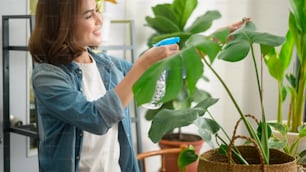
88, 17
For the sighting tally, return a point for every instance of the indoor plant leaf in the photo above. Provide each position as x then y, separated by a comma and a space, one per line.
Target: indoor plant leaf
202, 23
234, 51
187, 156
205, 45
206, 128
183, 9
192, 68
165, 10
168, 119
162, 24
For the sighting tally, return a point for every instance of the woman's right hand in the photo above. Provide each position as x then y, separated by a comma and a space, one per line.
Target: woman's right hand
156, 54
151, 56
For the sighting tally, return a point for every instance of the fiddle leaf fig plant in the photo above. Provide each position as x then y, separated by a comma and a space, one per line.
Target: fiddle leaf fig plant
170, 20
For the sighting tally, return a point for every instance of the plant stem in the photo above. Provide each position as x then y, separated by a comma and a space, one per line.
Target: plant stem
264, 132
226, 135
235, 151
280, 102
298, 113
247, 123
258, 81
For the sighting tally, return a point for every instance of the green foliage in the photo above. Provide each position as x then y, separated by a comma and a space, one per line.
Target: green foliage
198, 47
186, 157
170, 19
199, 51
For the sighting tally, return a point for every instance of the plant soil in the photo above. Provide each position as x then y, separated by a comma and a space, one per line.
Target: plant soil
181, 137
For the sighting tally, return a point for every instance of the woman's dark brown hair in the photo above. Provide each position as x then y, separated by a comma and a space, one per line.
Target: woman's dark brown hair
52, 40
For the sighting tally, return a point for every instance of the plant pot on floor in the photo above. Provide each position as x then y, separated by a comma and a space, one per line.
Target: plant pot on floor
212, 161
291, 137
175, 140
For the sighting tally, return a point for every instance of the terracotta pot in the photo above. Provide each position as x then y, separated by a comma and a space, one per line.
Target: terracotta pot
171, 160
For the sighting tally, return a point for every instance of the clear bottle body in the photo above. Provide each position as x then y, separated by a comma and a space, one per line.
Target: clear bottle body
159, 93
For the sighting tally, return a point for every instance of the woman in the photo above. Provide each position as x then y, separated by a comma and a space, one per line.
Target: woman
82, 97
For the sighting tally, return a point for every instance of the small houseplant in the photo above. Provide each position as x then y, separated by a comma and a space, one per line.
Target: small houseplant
192, 59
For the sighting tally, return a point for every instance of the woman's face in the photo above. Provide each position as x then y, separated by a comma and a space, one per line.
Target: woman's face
88, 28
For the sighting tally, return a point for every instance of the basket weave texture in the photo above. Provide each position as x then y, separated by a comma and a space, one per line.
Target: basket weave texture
279, 162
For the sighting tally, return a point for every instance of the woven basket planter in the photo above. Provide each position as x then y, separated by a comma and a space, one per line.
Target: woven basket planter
279, 162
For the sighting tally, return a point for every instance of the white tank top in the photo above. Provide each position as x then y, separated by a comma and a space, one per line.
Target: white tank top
100, 153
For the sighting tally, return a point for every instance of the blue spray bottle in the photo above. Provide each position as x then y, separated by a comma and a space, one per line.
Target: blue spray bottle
160, 88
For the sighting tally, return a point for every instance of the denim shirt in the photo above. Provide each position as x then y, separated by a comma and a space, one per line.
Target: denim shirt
64, 113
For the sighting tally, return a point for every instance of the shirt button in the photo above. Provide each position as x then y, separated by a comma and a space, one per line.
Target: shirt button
81, 134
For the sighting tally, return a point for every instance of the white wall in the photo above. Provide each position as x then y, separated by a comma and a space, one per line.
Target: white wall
268, 15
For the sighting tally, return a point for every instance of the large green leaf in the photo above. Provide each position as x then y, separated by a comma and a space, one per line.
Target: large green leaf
221, 35
203, 22
235, 50
184, 9
278, 64
298, 9
167, 119
145, 86
186, 60
192, 67
265, 39
302, 132
162, 24
239, 47
205, 45
186, 157
207, 128
165, 10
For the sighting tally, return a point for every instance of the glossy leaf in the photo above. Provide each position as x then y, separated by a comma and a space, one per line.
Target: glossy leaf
279, 127
187, 59
186, 157
166, 10
235, 50
162, 24
205, 45
259, 130
183, 9
167, 119
276, 143
302, 132
204, 22
207, 128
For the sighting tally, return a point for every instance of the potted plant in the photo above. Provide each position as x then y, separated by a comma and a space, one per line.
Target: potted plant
170, 20
200, 51
291, 132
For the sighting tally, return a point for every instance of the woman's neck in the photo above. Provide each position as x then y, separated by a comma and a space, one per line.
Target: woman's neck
84, 58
